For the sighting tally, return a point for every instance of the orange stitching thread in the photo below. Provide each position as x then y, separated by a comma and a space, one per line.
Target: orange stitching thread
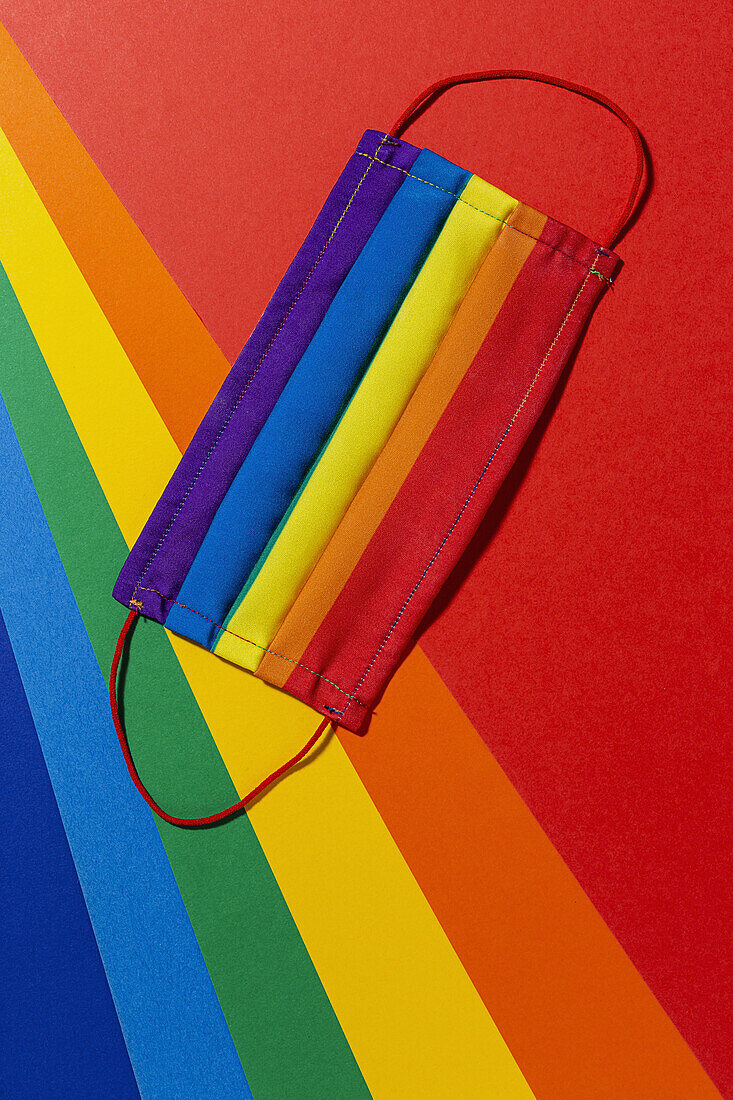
254, 372
486, 212
470, 496
248, 641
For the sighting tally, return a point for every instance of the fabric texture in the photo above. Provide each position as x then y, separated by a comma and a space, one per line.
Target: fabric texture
180, 520
389, 382
316, 391
366, 426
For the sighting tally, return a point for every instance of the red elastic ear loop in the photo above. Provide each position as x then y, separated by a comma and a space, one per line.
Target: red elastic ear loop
190, 822
426, 98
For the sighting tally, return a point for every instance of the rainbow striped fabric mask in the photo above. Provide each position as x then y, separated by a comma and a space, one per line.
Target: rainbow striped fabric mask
367, 424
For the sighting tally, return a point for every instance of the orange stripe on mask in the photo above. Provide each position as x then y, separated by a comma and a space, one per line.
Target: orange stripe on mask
445, 373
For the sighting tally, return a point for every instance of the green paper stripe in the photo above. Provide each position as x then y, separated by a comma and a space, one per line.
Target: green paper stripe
281, 1020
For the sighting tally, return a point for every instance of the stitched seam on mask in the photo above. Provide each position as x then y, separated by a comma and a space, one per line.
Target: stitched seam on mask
470, 496
516, 229
385, 140
264, 649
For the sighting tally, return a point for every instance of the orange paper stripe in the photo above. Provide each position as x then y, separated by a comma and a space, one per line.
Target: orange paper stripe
571, 1006
453, 358
178, 362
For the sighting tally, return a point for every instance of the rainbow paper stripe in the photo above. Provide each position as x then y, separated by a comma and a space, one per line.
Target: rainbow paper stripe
392, 921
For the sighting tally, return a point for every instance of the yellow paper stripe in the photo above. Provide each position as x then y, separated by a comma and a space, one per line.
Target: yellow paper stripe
409, 1011
398, 365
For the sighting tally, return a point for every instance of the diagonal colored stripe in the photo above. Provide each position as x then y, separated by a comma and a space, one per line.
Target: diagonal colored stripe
173, 1026
575, 1012
454, 356
569, 1001
279, 1017
97, 230
412, 1016
400, 361
54, 984
322, 381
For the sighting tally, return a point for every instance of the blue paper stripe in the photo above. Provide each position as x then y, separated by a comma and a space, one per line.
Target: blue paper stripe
315, 395
60, 1032
175, 1032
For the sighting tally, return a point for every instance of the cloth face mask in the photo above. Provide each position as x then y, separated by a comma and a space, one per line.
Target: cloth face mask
366, 426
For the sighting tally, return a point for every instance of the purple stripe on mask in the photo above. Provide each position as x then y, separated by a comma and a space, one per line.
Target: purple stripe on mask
162, 555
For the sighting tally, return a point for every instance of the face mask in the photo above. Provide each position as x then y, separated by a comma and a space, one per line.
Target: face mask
366, 426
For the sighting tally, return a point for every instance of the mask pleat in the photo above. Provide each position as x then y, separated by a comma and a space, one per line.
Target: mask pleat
315, 395
404, 354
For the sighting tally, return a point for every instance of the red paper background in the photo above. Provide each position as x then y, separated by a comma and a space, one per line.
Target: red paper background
587, 639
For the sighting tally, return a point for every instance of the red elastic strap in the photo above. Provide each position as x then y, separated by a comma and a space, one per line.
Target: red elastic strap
428, 97
190, 822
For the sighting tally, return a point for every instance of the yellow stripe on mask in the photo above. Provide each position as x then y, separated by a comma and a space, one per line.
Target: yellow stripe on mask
410, 1013
390, 380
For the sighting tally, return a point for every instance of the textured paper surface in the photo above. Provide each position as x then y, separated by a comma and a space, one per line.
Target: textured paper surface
597, 647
